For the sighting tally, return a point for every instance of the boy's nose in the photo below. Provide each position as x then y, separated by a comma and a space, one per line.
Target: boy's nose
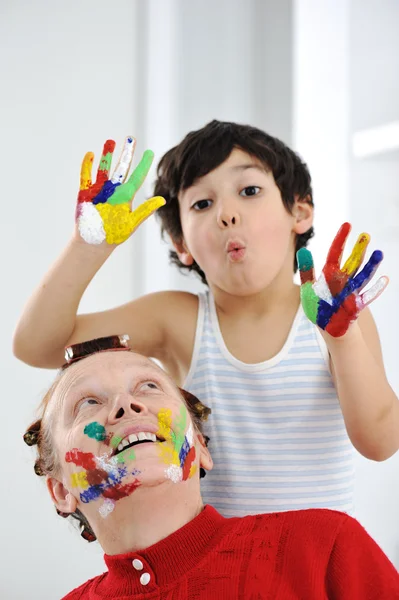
228, 218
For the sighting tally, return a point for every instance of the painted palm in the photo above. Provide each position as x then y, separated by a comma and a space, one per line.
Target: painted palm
103, 209
335, 300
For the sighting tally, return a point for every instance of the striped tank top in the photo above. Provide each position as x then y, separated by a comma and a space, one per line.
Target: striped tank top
277, 435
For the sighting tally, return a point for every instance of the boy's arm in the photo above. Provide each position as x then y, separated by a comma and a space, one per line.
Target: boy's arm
49, 321
369, 405
358, 568
104, 218
337, 304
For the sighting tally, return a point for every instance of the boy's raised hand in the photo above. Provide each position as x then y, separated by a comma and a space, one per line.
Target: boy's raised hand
334, 301
103, 210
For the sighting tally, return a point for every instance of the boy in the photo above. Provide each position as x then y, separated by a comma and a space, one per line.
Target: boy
288, 400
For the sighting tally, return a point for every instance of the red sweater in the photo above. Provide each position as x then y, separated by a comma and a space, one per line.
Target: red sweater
308, 554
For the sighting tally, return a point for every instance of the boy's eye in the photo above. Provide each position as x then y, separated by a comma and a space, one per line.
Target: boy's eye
250, 190
201, 204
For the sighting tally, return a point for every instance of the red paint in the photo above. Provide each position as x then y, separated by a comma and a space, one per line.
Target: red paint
337, 247
95, 189
336, 280
307, 276
341, 320
81, 459
109, 146
119, 491
96, 476
188, 462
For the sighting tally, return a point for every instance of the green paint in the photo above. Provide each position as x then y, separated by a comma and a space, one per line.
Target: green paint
124, 193
95, 431
115, 441
121, 457
105, 162
310, 301
304, 259
180, 428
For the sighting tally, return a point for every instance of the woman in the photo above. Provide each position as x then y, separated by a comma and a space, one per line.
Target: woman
122, 451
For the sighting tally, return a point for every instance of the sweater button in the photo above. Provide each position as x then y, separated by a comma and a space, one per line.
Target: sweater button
145, 578
138, 565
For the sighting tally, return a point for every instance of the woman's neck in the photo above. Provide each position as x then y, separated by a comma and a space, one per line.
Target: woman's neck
145, 518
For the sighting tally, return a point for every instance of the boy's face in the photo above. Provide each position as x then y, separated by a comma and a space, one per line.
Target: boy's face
236, 227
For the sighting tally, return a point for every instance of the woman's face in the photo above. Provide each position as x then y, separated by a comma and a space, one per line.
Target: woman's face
119, 423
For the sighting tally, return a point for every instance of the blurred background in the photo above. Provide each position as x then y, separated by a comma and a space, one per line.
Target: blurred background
323, 75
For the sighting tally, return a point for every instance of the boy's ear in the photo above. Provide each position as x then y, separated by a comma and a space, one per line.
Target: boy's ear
206, 461
61, 496
183, 252
303, 213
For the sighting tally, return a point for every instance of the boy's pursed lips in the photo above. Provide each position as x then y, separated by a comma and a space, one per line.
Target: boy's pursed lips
235, 249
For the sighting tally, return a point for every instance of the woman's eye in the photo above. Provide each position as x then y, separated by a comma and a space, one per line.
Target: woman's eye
149, 385
250, 190
201, 204
88, 402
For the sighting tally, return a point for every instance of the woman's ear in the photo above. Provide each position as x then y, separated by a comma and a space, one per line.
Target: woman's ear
183, 252
61, 496
303, 213
206, 461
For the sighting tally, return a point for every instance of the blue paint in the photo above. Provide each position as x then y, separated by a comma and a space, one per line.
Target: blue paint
184, 450
106, 192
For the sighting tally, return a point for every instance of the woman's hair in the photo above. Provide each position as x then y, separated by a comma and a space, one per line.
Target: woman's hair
202, 151
39, 434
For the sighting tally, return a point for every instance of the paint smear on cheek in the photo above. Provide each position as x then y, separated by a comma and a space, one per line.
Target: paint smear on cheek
178, 450
103, 477
96, 431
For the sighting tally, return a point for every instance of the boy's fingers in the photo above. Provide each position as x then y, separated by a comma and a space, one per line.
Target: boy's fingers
125, 160
376, 290
337, 247
354, 261
105, 161
125, 193
362, 278
145, 210
85, 171
138, 176
305, 264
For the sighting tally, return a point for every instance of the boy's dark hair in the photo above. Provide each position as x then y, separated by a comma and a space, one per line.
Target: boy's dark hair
202, 151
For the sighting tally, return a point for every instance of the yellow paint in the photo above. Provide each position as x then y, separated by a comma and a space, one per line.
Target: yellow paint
85, 171
119, 221
193, 470
165, 424
356, 258
80, 480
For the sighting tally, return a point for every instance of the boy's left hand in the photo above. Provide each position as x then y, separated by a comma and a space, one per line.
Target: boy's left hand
334, 301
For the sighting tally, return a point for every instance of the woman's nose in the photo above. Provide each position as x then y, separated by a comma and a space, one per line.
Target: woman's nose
124, 406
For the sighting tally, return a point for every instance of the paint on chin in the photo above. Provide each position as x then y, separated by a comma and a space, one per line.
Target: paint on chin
103, 477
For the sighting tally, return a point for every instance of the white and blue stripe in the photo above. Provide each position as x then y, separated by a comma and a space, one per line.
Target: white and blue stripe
278, 438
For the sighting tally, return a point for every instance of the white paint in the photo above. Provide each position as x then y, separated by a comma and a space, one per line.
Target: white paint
106, 508
322, 290
174, 473
90, 224
123, 166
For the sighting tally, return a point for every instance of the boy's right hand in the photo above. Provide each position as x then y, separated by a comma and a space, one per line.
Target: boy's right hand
103, 211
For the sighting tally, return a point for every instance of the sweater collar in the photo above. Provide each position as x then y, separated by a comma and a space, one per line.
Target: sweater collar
145, 570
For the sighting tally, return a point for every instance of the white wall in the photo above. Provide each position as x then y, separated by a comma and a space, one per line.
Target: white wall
346, 61
73, 74
68, 81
